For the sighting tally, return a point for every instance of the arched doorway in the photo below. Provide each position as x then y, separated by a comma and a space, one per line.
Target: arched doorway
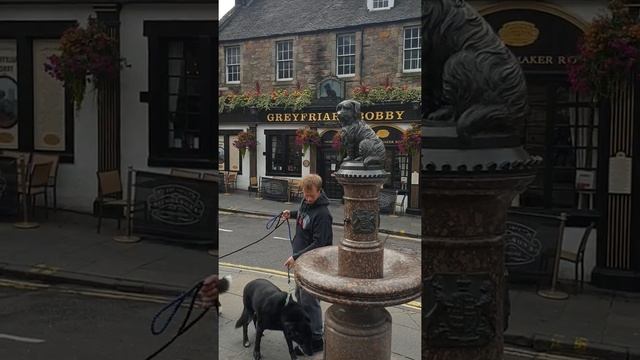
328, 164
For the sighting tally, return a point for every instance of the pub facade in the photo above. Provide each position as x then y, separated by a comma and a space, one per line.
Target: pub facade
155, 116
589, 170
331, 51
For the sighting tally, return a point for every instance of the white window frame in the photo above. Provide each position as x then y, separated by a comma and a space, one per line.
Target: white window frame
279, 61
405, 49
371, 2
350, 55
227, 65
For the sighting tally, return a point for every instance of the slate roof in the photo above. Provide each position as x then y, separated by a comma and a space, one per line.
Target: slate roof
263, 18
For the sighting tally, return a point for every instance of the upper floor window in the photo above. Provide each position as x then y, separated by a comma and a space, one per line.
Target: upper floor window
346, 51
412, 61
379, 4
284, 56
232, 56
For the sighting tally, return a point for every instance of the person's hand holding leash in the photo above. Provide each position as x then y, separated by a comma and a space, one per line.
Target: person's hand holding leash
209, 292
286, 214
290, 262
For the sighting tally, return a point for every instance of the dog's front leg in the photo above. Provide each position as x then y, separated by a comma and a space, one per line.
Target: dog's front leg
292, 353
256, 349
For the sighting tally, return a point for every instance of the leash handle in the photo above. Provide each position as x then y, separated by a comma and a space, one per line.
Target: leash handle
175, 304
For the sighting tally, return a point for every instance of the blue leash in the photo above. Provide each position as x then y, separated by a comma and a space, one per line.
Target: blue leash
175, 304
193, 292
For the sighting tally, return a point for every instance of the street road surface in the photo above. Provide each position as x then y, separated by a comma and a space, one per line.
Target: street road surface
61, 323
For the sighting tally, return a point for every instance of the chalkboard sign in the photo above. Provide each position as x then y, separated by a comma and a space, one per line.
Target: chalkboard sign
274, 189
530, 242
8, 186
176, 208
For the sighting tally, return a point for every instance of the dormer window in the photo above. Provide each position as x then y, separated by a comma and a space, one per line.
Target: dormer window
374, 5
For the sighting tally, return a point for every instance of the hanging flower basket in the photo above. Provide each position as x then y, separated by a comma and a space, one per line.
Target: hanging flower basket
306, 137
411, 141
86, 55
609, 52
336, 144
246, 140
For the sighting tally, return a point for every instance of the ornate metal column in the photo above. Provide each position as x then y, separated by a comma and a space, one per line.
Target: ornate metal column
473, 166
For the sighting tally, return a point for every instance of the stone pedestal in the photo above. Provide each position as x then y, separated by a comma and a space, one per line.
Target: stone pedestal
467, 189
359, 276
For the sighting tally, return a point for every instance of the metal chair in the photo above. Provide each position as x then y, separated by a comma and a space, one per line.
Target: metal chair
254, 186
578, 257
38, 158
37, 182
110, 196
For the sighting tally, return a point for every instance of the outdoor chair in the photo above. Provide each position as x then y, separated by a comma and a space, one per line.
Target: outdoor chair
254, 186
231, 181
578, 257
110, 196
38, 158
37, 181
400, 204
186, 174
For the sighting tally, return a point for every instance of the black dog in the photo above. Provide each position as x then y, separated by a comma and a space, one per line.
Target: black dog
271, 309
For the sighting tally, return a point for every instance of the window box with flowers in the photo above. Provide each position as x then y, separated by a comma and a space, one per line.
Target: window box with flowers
608, 54
88, 55
306, 137
386, 94
294, 100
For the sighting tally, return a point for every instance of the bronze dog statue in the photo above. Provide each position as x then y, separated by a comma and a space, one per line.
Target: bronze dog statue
473, 79
358, 138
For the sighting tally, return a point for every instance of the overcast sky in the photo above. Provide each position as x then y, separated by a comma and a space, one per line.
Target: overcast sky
224, 6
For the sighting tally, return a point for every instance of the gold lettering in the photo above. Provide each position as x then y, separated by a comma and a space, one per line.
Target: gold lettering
319, 116
524, 60
562, 60
269, 117
400, 114
335, 116
312, 117
389, 115
304, 116
278, 117
366, 115
379, 115
326, 117
287, 117
573, 59
550, 60
295, 116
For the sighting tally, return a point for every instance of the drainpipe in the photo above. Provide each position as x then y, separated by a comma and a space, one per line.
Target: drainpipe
361, 53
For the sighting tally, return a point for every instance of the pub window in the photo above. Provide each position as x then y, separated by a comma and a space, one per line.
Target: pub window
283, 156
412, 61
346, 50
232, 56
284, 53
231, 160
36, 112
181, 74
563, 129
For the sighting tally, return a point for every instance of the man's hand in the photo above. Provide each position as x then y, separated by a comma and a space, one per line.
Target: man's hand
286, 214
209, 291
290, 262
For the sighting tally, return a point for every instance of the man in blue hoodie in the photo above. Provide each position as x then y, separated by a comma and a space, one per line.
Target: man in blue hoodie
313, 230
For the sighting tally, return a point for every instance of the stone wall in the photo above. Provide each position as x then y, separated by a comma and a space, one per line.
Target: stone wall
315, 59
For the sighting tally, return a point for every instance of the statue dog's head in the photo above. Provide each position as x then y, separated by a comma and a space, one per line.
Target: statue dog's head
348, 112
